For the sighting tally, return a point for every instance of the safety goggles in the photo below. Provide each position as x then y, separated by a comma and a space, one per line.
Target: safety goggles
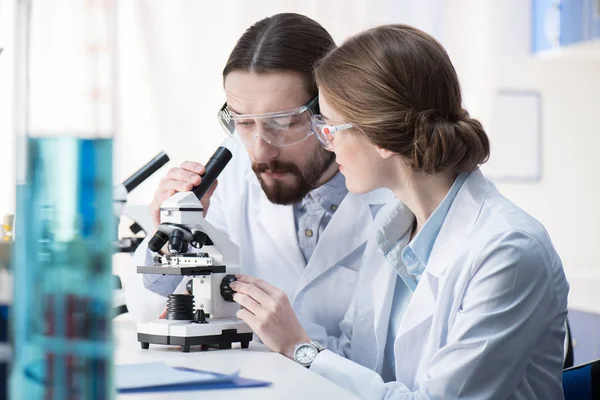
283, 128
326, 132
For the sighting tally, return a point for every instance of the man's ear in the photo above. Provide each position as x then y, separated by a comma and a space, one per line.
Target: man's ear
385, 153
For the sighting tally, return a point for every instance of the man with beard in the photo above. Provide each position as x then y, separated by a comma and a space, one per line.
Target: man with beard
281, 199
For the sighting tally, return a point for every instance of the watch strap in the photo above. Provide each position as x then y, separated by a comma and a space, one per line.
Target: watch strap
317, 345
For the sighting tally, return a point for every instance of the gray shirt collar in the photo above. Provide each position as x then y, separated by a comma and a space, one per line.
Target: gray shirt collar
327, 196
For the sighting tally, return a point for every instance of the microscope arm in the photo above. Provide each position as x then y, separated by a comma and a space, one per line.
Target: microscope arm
139, 214
121, 190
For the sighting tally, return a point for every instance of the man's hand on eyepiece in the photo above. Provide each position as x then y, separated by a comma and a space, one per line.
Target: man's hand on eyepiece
181, 179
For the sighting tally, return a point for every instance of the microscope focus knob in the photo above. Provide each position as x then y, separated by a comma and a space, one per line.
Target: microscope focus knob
189, 286
226, 291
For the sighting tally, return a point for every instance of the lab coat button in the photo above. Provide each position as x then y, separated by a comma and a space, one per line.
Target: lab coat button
308, 233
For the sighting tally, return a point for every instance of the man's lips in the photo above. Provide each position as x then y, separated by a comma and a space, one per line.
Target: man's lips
275, 174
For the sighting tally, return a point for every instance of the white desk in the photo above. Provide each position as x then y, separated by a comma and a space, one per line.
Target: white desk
288, 379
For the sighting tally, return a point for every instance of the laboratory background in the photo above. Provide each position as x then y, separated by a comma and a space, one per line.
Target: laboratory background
529, 71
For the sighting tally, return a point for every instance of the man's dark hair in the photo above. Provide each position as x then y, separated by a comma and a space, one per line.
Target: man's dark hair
283, 42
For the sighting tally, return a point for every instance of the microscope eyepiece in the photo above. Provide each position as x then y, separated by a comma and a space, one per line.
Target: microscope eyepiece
214, 167
158, 241
143, 173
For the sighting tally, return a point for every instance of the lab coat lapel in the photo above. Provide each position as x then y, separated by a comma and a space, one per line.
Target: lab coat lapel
418, 316
415, 328
339, 240
420, 306
458, 223
280, 228
382, 287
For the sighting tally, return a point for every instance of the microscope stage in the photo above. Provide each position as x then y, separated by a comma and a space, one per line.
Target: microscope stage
182, 270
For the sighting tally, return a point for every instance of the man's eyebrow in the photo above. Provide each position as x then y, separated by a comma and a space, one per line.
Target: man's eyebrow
232, 110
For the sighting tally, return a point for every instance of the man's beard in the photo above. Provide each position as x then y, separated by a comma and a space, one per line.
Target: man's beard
289, 193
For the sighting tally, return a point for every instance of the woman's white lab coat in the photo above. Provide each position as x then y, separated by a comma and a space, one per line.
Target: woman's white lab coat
486, 320
319, 291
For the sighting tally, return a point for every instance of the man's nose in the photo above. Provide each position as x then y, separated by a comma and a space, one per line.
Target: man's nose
263, 152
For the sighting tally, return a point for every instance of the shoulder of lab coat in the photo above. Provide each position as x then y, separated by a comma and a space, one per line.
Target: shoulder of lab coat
507, 286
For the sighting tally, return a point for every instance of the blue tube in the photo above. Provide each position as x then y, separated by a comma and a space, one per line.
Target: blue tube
62, 307
4, 351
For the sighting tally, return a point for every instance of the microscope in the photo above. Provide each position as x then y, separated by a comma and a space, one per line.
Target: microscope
207, 315
142, 221
136, 213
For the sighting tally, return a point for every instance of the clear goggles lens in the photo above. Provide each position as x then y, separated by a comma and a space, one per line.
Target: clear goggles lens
278, 129
326, 132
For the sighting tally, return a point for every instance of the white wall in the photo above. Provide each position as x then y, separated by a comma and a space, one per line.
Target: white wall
171, 55
489, 43
7, 203
170, 59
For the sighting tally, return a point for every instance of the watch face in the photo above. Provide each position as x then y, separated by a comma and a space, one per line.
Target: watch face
305, 354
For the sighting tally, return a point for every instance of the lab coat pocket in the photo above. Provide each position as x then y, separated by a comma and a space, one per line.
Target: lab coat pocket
414, 351
364, 349
336, 289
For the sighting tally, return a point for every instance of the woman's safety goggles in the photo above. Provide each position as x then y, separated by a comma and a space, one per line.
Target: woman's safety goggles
326, 132
284, 128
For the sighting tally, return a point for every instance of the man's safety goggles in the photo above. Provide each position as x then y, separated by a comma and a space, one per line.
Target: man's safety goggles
283, 128
326, 132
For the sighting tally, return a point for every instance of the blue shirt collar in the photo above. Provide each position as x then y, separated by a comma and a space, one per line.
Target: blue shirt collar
416, 254
392, 232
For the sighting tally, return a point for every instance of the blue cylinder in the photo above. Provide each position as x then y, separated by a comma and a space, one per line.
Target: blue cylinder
5, 351
65, 230
62, 307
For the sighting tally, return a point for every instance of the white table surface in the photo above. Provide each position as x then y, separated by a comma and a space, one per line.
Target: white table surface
288, 379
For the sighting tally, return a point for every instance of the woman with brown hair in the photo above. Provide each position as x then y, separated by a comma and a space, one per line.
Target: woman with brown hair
461, 293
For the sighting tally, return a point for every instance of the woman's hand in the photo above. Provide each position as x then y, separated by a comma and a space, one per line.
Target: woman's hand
267, 310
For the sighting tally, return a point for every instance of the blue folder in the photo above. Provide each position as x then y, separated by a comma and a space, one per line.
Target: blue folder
226, 383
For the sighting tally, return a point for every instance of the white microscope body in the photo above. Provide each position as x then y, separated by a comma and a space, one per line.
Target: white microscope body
207, 317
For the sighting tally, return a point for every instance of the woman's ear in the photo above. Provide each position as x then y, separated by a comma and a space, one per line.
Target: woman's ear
385, 153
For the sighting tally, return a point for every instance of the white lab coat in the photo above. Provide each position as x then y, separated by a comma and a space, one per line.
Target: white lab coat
486, 320
319, 291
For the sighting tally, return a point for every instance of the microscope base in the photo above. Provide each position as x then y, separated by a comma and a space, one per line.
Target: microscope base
219, 334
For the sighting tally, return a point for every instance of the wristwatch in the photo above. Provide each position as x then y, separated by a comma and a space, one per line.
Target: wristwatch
305, 353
